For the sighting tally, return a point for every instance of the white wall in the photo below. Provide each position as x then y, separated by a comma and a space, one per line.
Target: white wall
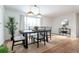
46, 21
1, 24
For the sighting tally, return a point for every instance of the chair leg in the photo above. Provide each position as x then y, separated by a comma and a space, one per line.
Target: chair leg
44, 42
37, 43
12, 45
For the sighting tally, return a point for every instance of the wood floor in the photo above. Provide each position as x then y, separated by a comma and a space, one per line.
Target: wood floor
70, 46
58, 44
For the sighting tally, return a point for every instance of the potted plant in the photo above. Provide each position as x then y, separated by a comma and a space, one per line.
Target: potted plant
3, 49
11, 26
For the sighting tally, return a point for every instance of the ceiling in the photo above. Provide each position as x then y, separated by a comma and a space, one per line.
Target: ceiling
47, 10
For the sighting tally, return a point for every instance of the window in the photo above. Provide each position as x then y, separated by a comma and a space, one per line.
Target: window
31, 21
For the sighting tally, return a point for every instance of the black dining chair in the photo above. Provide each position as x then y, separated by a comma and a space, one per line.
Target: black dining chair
49, 32
17, 39
40, 36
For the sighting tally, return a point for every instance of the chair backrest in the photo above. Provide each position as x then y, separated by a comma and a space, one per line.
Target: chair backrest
48, 28
41, 34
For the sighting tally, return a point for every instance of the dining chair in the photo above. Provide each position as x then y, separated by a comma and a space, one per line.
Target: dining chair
49, 32
38, 38
18, 38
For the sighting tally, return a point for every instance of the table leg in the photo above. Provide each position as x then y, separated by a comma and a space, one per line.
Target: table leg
26, 41
37, 40
46, 36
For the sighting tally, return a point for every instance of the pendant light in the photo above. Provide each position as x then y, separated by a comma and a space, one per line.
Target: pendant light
32, 13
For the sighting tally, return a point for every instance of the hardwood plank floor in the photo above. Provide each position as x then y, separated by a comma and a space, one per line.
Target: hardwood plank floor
58, 44
70, 46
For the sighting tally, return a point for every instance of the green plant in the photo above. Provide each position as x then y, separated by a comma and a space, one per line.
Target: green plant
11, 26
3, 49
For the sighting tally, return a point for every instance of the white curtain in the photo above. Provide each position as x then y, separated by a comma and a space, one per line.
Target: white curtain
21, 22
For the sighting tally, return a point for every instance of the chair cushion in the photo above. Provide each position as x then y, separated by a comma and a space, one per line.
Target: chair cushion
19, 38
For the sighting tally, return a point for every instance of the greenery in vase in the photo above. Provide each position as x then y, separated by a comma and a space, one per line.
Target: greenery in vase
11, 26
3, 49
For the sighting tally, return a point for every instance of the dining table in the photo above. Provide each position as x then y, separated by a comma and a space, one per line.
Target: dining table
26, 32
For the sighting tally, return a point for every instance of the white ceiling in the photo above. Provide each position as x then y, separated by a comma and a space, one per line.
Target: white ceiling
47, 10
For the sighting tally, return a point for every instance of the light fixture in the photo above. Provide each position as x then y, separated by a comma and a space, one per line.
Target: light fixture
39, 15
30, 13
34, 11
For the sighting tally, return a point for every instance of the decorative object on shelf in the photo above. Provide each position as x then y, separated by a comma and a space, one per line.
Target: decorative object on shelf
65, 31
65, 22
11, 26
34, 11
